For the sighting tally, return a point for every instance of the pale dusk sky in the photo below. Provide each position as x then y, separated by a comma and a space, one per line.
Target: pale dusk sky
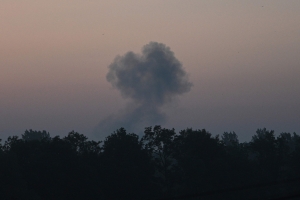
243, 58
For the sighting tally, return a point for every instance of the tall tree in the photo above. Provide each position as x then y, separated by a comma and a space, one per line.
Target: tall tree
35, 135
81, 145
264, 147
200, 156
127, 167
160, 144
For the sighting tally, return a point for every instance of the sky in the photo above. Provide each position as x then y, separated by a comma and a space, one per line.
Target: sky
241, 59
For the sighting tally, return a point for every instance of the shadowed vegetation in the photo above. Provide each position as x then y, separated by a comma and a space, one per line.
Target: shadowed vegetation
162, 164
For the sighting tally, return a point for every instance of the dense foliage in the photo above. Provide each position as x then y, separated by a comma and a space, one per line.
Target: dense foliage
162, 164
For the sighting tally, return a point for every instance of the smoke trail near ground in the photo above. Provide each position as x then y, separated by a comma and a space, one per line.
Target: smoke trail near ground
149, 80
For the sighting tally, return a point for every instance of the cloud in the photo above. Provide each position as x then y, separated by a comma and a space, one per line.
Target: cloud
150, 80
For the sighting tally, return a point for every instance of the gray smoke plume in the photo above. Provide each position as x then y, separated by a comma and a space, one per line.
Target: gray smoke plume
150, 80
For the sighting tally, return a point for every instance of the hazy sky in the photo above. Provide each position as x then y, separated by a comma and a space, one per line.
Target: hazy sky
243, 58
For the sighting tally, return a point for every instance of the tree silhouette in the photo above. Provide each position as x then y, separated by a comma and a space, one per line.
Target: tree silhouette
80, 143
162, 164
35, 135
127, 166
264, 144
160, 144
230, 139
199, 155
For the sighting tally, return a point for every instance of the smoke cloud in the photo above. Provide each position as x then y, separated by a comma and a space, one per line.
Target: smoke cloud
150, 80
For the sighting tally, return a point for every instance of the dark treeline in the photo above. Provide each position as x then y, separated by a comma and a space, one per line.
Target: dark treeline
162, 164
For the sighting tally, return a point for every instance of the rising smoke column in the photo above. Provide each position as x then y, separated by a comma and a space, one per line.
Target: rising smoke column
149, 80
